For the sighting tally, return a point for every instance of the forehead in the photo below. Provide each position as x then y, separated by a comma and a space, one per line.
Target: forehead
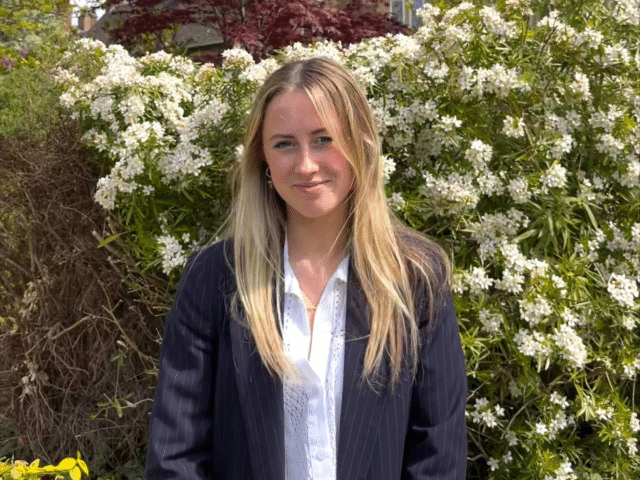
294, 110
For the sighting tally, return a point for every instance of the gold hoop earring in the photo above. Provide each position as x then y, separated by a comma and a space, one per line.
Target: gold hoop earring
267, 174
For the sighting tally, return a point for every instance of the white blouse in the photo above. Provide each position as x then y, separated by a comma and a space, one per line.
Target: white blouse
312, 399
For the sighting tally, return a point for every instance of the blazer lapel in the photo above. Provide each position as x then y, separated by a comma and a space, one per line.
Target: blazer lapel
362, 409
262, 406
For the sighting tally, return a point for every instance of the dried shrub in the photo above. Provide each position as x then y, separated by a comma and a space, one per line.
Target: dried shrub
78, 330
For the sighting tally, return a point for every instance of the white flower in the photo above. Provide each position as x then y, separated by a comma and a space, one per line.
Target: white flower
449, 124
478, 280
479, 154
519, 190
514, 391
538, 268
561, 146
389, 167
533, 312
604, 413
627, 12
396, 201
254, 73
571, 346
615, 54
559, 400
513, 127
483, 414
610, 145
173, 256
428, 14
541, 428
570, 318
531, 344
632, 446
491, 322
634, 423
511, 437
580, 86
493, 463
591, 38
496, 24
554, 177
631, 178
236, 58
559, 423
564, 472
511, 281
132, 107
452, 194
102, 107
623, 289
628, 322
559, 283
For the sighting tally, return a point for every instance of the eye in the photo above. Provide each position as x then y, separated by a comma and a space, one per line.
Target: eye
283, 144
324, 140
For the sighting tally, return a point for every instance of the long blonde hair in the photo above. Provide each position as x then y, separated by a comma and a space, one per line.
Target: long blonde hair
390, 260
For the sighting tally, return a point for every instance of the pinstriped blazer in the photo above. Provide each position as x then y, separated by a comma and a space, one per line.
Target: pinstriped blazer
218, 414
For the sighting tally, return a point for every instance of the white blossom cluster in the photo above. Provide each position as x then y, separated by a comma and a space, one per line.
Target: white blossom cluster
497, 80
126, 97
564, 472
559, 422
623, 289
485, 414
513, 127
554, 177
491, 322
171, 252
570, 345
533, 312
479, 154
533, 343
452, 194
477, 280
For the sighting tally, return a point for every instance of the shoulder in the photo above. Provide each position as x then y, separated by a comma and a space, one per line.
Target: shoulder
428, 270
209, 266
424, 258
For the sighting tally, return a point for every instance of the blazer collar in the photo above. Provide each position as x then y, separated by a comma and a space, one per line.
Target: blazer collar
263, 406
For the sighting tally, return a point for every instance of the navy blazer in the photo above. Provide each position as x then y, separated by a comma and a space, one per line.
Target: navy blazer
218, 414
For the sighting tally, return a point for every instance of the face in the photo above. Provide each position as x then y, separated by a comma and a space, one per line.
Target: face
308, 170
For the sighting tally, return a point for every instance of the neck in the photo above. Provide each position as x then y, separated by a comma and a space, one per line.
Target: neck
316, 242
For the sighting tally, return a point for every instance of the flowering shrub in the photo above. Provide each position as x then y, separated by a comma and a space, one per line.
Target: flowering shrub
515, 141
69, 468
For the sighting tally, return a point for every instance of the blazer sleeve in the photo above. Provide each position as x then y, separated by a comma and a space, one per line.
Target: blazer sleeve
180, 434
436, 441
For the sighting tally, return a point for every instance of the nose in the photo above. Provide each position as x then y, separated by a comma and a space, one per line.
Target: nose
307, 163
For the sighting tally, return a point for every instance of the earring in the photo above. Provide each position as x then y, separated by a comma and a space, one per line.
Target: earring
268, 175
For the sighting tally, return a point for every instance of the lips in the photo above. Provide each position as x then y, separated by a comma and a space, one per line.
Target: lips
310, 184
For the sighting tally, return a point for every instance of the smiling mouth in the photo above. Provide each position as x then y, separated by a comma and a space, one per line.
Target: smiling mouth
310, 185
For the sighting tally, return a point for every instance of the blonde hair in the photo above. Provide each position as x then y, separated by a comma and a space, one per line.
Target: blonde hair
390, 260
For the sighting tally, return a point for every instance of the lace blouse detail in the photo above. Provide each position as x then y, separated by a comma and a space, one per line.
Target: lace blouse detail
312, 397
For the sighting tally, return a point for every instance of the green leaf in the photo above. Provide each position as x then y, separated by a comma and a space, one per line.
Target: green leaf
110, 239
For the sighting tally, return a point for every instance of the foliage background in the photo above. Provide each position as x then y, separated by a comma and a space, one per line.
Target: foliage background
510, 133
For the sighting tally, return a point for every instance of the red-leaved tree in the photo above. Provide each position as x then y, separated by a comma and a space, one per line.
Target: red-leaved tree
260, 26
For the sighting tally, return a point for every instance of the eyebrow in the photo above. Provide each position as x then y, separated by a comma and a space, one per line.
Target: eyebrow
282, 135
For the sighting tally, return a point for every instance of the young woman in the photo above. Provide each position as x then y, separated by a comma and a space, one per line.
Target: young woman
319, 340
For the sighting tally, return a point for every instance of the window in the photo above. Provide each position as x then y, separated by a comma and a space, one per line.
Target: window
405, 11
